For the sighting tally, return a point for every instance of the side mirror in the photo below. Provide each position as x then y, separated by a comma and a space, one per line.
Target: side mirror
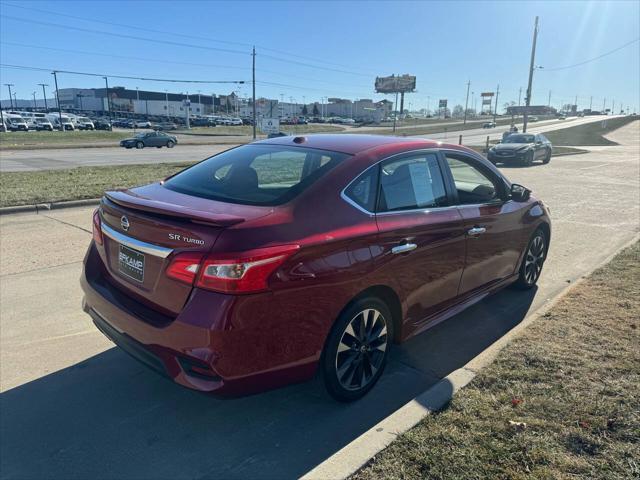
519, 193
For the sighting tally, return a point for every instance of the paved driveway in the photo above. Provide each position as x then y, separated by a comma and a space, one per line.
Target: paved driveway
73, 406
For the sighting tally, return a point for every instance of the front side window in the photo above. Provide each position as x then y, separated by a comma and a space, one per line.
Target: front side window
255, 174
410, 183
473, 185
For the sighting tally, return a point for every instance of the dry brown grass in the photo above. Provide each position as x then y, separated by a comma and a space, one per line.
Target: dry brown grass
573, 378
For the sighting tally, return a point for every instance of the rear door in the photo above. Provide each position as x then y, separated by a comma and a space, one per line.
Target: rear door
421, 234
492, 225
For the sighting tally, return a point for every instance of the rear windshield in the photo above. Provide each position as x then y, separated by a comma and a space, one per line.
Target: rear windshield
255, 174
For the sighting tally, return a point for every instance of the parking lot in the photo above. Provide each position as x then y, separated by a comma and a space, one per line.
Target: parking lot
74, 406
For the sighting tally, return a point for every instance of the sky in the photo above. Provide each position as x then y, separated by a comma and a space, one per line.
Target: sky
309, 50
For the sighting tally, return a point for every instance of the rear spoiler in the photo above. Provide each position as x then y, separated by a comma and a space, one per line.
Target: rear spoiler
125, 199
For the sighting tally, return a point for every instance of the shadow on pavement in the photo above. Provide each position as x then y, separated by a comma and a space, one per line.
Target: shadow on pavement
108, 417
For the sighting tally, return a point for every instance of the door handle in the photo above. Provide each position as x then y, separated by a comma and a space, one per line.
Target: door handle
476, 231
404, 248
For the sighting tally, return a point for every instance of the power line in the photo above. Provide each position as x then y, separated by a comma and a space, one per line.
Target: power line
65, 50
179, 44
89, 74
591, 59
197, 37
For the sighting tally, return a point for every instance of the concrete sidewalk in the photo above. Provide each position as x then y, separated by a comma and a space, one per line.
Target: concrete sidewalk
75, 407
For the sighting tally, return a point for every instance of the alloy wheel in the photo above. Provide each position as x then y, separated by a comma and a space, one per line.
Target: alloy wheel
361, 349
534, 260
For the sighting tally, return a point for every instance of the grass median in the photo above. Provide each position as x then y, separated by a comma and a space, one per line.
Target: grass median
588, 134
27, 188
560, 401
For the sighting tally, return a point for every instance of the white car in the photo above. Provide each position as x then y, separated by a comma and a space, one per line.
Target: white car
142, 124
235, 121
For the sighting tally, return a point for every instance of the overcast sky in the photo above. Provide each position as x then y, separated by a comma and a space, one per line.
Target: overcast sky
308, 50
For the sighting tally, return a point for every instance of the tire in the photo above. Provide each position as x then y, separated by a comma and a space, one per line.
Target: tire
532, 261
139, 145
547, 157
528, 159
357, 349
170, 144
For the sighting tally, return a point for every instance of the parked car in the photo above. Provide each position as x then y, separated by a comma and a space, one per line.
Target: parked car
489, 125
102, 125
521, 148
150, 139
166, 126
235, 121
233, 276
15, 122
533, 119
142, 124
43, 123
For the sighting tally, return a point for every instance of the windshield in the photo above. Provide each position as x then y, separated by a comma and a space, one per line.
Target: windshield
65, 120
255, 174
42, 120
519, 139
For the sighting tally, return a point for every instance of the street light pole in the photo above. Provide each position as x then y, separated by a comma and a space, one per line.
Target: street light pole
9, 85
466, 103
44, 95
106, 83
531, 65
495, 111
35, 105
253, 90
55, 79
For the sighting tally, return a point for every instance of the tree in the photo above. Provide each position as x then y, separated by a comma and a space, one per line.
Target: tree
458, 111
316, 112
304, 110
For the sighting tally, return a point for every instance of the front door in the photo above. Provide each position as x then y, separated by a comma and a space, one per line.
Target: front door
491, 223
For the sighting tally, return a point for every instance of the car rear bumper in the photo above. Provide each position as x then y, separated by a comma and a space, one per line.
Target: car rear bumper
207, 347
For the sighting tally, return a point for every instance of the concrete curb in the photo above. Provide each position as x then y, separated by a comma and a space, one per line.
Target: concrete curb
359, 452
49, 206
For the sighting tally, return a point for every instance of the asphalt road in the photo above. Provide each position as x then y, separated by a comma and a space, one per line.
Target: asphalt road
73, 406
49, 159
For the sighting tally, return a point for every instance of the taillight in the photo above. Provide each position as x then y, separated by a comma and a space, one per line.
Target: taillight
97, 229
230, 273
244, 272
184, 267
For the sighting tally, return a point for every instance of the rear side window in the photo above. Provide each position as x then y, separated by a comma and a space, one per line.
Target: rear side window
410, 183
363, 189
255, 174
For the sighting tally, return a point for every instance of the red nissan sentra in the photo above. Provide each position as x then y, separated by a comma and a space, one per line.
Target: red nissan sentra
264, 264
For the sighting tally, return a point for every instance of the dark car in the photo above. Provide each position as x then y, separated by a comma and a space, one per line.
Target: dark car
522, 148
261, 265
102, 125
150, 139
489, 125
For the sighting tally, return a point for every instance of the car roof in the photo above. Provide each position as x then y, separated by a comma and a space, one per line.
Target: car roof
355, 143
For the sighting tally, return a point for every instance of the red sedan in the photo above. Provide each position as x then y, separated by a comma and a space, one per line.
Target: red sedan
267, 263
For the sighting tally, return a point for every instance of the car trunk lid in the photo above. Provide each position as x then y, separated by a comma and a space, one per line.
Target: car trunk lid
145, 228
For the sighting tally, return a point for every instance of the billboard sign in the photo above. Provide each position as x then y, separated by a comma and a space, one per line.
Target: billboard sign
270, 125
396, 84
442, 103
487, 94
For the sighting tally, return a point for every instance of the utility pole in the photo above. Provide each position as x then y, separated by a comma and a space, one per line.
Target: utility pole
35, 105
531, 66
613, 107
466, 103
106, 83
44, 95
591, 103
166, 101
495, 111
9, 85
55, 79
395, 114
549, 103
604, 104
253, 87
519, 96
576, 103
